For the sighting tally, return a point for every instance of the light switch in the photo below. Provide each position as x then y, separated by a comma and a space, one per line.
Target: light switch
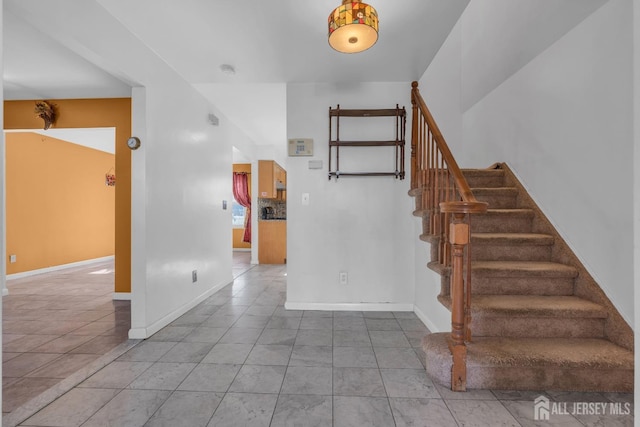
315, 164
305, 199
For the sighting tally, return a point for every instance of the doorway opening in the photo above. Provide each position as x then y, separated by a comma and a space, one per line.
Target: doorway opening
59, 314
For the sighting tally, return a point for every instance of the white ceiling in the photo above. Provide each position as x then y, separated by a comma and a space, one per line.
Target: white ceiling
38, 67
270, 43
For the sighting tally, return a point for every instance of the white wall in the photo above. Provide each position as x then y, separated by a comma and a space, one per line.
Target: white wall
636, 179
502, 36
427, 288
563, 121
361, 225
187, 166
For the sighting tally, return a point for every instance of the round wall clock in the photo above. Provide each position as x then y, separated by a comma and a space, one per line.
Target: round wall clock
133, 143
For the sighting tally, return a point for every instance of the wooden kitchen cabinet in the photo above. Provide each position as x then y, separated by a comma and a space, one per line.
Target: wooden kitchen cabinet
271, 178
272, 242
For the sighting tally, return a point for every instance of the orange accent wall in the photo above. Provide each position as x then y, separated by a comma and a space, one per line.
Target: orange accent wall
238, 233
59, 209
87, 113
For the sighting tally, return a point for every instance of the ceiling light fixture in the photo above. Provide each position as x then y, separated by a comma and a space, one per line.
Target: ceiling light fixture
228, 69
353, 27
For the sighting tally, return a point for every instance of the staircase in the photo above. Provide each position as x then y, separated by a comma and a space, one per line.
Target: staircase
538, 319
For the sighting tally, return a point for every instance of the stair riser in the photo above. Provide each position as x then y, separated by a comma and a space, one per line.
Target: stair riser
497, 201
505, 223
490, 285
537, 327
534, 378
485, 181
425, 224
546, 376
487, 252
550, 378
417, 202
521, 286
433, 252
501, 224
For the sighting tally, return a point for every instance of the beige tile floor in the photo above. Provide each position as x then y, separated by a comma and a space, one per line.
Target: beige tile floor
240, 359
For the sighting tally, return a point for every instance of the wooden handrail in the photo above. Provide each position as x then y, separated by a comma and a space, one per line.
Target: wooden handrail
446, 198
459, 179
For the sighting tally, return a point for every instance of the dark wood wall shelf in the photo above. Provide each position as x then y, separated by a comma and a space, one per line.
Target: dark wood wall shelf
335, 114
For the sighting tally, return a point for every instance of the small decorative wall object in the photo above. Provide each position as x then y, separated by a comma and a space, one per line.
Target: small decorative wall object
110, 178
47, 112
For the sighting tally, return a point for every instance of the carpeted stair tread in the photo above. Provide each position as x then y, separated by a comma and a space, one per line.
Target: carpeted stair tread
484, 177
593, 353
415, 191
503, 214
502, 239
420, 212
512, 239
429, 238
505, 191
523, 268
501, 220
510, 211
513, 269
575, 353
481, 172
537, 305
532, 306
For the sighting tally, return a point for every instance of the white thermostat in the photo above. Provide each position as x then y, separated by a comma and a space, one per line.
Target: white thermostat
301, 147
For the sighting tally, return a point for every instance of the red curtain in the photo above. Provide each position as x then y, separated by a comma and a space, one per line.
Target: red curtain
241, 193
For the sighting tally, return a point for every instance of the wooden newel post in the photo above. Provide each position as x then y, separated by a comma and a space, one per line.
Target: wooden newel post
459, 238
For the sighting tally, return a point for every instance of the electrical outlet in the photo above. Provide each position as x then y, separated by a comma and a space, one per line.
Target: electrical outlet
344, 278
12, 259
194, 276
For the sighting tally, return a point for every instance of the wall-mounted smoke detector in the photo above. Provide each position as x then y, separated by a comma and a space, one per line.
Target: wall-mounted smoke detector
228, 69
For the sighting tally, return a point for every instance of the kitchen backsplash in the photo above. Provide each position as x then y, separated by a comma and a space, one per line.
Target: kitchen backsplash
279, 207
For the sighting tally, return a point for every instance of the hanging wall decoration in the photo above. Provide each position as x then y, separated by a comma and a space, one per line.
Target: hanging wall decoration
47, 112
110, 178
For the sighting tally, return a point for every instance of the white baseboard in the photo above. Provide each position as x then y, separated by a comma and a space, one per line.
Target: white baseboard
428, 323
144, 333
364, 306
121, 296
59, 267
242, 249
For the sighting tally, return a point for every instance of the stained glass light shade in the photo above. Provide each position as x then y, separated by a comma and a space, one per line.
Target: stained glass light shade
353, 27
